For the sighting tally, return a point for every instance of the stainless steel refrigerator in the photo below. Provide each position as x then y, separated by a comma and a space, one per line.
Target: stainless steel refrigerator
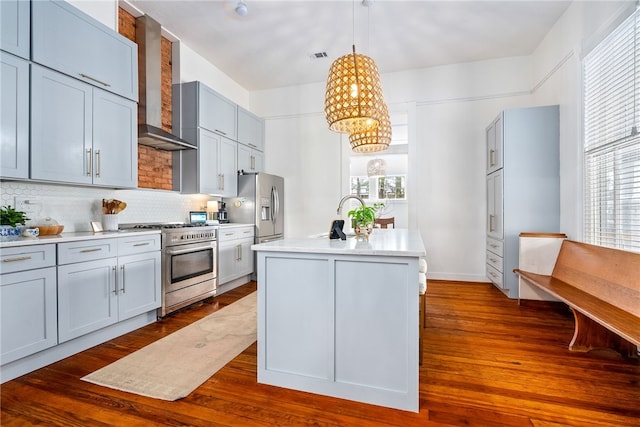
260, 201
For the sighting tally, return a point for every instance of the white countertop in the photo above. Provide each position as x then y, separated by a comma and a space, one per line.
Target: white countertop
74, 236
382, 242
233, 225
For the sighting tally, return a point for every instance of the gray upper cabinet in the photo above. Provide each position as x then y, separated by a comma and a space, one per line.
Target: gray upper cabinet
205, 108
14, 116
81, 134
250, 129
15, 27
66, 39
115, 140
211, 169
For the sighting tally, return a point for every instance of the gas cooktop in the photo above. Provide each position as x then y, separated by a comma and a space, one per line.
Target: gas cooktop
160, 225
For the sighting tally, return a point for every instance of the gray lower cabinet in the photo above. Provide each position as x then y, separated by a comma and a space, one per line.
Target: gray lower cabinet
211, 169
235, 258
66, 39
97, 288
28, 306
15, 27
14, 116
81, 134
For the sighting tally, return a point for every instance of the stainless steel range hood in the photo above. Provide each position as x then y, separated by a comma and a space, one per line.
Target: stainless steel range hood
150, 132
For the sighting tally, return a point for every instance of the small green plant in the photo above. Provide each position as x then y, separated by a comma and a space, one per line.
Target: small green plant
364, 215
10, 216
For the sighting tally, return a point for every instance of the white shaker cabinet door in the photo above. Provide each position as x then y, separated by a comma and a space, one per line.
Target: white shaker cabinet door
14, 116
15, 20
28, 313
68, 40
228, 166
87, 297
494, 205
115, 140
139, 284
61, 127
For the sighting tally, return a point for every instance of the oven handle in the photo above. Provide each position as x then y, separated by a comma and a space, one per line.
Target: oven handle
184, 251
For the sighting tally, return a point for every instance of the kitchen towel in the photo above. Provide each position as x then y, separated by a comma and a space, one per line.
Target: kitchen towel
177, 364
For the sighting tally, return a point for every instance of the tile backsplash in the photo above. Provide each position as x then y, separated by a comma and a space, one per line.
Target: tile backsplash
75, 207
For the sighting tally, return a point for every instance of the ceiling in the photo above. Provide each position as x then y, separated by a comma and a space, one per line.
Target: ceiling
274, 44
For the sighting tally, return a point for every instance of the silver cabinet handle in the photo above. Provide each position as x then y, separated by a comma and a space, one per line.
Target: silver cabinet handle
89, 162
91, 250
492, 157
142, 244
219, 131
97, 163
253, 163
491, 217
115, 280
86, 76
21, 258
122, 288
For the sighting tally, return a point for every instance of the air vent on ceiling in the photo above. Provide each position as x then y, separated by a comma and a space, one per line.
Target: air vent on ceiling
318, 55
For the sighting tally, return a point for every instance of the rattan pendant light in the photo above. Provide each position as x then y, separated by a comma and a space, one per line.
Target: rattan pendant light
353, 99
374, 139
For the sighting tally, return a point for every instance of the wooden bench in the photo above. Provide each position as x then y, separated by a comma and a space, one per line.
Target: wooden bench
602, 288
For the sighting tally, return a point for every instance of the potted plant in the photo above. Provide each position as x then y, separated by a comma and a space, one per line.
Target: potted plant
363, 218
11, 222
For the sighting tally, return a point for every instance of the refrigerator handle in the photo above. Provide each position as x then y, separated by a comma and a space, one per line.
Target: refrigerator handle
274, 204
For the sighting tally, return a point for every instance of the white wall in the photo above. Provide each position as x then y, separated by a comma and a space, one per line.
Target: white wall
454, 104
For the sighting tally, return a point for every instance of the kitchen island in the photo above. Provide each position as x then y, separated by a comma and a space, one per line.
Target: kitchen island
340, 317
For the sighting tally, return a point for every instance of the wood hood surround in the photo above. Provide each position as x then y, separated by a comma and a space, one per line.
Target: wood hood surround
154, 166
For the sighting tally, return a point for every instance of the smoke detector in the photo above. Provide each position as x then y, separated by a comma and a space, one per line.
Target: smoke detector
241, 8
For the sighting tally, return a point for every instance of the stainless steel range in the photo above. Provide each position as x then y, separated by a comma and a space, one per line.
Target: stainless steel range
189, 264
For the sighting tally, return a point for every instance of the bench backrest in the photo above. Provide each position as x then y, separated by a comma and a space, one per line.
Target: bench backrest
610, 274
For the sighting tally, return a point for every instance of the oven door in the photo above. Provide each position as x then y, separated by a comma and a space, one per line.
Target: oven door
186, 265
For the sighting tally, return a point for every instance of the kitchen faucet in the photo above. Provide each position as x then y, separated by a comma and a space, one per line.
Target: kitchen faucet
345, 198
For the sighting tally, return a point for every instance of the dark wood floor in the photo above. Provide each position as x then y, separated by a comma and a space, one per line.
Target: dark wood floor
487, 362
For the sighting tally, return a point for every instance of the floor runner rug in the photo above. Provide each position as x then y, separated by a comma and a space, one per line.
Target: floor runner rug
177, 364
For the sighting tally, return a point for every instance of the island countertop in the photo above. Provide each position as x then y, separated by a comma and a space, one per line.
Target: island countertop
382, 242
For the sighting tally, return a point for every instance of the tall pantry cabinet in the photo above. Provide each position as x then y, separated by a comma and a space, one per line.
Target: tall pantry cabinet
523, 186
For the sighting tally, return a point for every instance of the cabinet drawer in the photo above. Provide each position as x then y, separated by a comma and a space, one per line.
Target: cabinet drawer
227, 234
86, 250
224, 235
23, 258
494, 260
245, 232
138, 244
494, 275
495, 246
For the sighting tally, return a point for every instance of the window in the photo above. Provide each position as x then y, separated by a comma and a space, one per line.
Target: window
612, 140
360, 186
391, 187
